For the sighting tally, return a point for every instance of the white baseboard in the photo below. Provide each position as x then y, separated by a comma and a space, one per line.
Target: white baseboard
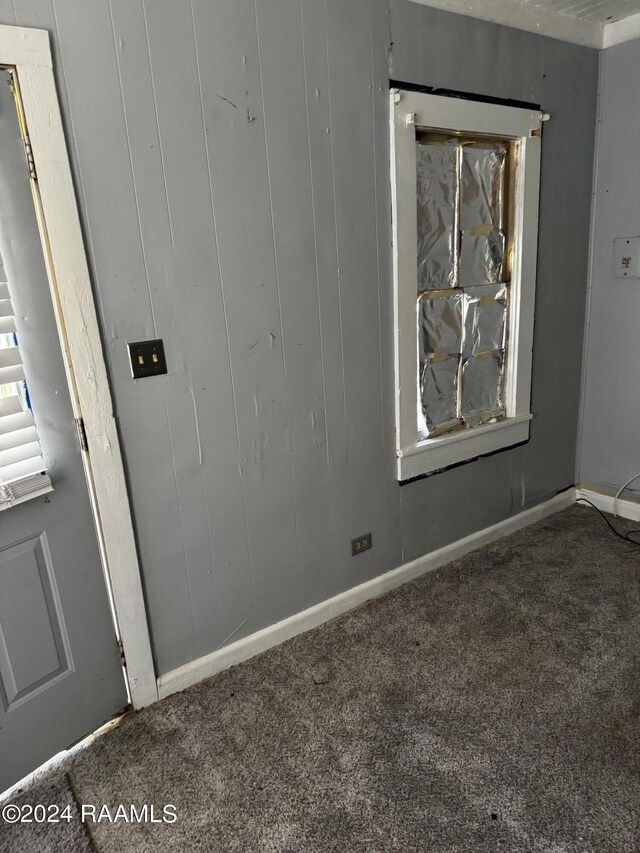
184, 676
624, 508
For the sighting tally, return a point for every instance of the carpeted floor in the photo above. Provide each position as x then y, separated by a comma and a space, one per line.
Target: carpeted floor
68, 835
493, 705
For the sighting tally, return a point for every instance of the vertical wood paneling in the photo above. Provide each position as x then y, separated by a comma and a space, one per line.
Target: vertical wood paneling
206, 390
158, 542
380, 36
173, 270
112, 226
151, 476
231, 161
329, 578
405, 52
243, 195
105, 170
289, 176
509, 73
287, 135
349, 59
565, 197
198, 318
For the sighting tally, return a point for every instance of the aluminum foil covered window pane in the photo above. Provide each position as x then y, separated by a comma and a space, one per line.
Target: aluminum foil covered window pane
436, 193
440, 343
485, 319
439, 392
482, 387
440, 324
462, 329
482, 239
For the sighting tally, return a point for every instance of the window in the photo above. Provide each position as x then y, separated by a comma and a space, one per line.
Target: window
465, 184
22, 468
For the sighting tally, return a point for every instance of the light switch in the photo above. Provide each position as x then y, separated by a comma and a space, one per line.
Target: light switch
147, 358
626, 257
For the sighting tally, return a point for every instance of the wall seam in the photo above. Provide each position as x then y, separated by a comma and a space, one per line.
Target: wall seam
157, 118
133, 176
228, 339
79, 184
278, 290
590, 271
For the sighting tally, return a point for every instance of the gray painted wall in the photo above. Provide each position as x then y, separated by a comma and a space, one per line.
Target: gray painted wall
232, 170
609, 446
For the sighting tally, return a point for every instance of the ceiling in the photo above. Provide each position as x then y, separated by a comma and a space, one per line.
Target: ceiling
596, 23
600, 11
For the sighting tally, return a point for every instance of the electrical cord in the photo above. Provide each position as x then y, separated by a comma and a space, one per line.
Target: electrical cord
620, 491
626, 536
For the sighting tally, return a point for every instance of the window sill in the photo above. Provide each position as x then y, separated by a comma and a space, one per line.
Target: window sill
434, 453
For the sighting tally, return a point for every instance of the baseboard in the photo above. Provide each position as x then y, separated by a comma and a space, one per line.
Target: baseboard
184, 676
605, 502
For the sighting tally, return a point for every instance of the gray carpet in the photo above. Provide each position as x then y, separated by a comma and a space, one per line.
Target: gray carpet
493, 705
67, 836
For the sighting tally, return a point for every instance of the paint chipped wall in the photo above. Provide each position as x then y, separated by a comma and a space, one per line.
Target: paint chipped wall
231, 163
609, 448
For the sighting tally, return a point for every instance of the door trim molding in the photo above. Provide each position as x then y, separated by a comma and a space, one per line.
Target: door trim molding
204, 667
27, 53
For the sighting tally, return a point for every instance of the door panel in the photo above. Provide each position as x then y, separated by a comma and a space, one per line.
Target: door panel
60, 671
35, 644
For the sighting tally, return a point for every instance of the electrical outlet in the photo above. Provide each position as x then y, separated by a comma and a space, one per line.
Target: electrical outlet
362, 543
626, 257
147, 359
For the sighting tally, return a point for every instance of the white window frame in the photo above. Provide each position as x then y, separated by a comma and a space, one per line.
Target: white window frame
411, 110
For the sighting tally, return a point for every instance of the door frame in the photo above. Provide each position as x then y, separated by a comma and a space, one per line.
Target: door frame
26, 52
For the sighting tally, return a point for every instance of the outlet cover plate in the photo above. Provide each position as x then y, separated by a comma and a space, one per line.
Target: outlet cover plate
360, 544
626, 257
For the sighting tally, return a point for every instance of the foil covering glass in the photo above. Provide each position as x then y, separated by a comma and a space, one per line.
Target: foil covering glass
482, 240
462, 328
485, 319
440, 323
436, 193
481, 387
440, 345
439, 392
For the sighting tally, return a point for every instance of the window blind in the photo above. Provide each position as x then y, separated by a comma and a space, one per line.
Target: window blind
23, 473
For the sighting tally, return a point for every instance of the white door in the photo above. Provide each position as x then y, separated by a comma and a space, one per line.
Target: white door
60, 671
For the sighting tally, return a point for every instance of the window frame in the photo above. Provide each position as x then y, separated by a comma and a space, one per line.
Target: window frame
417, 110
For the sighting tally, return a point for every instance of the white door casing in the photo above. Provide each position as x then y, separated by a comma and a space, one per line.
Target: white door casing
27, 53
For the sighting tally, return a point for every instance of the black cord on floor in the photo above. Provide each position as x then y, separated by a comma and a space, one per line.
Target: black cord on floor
625, 536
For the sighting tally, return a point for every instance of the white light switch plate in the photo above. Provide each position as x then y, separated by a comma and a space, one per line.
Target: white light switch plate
626, 257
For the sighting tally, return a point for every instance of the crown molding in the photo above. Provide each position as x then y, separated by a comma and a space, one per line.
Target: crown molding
534, 18
526, 16
618, 32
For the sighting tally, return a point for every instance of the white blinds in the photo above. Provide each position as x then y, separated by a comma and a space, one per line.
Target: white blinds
22, 469
7, 322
